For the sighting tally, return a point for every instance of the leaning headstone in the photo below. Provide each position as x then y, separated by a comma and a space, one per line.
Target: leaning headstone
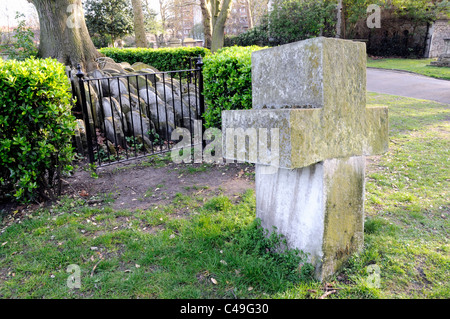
311, 96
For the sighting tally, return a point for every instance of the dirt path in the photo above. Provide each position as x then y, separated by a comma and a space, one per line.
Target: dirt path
145, 184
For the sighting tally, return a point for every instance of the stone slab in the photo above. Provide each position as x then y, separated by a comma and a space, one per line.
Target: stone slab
312, 73
306, 136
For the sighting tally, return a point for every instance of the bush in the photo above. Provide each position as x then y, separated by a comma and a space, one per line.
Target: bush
227, 82
36, 127
290, 21
259, 35
23, 46
164, 59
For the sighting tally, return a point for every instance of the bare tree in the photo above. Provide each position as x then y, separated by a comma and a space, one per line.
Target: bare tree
256, 9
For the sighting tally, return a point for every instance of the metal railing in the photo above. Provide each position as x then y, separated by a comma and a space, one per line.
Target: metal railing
129, 116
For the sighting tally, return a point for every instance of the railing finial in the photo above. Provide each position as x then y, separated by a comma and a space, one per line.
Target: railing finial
80, 73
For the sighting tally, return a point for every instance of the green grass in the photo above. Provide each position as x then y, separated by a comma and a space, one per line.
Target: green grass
215, 249
420, 66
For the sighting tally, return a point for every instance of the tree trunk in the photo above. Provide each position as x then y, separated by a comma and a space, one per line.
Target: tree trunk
64, 35
206, 13
250, 15
339, 20
218, 38
215, 14
139, 27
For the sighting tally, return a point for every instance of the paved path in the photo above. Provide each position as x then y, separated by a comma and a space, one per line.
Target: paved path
408, 85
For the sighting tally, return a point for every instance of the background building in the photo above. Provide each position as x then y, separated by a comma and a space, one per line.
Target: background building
239, 20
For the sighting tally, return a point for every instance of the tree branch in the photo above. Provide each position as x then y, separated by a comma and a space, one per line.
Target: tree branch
223, 13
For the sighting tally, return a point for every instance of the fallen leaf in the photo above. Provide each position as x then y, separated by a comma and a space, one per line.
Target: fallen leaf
250, 288
214, 281
138, 266
84, 193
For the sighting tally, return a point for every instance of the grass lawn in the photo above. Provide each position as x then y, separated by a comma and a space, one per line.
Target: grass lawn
214, 249
419, 66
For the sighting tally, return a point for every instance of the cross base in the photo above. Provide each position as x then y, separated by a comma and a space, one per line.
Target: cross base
319, 209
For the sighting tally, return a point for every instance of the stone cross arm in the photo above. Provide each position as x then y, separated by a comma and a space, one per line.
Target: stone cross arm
306, 136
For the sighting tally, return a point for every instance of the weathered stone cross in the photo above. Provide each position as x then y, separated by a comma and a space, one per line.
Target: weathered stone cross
313, 93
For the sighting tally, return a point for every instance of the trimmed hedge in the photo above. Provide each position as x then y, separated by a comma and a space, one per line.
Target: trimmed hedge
227, 73
164, 59
36, 128
227, 82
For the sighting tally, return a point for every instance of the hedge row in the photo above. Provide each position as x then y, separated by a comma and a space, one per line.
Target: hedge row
36, 128
227, 74
164, 59
227, 82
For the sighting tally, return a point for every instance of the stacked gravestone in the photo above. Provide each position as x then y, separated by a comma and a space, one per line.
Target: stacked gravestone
312, 94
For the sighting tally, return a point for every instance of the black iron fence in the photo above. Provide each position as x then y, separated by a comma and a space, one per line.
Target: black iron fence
133, 115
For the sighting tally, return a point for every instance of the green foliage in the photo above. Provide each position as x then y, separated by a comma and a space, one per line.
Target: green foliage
227, 82
220, 203
291, 21
295, 20
259, 35
109, 20
271, 248
417, 11
164, 59
36, 126
421, 11
152, 24
23, 47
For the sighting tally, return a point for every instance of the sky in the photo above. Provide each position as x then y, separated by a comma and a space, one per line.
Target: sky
8, 8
